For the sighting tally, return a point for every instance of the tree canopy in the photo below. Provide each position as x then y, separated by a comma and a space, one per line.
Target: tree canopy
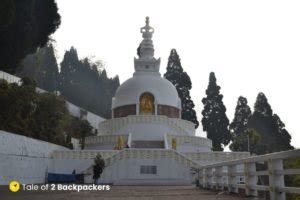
24, 26
82, 81
79, 81
41, 116
42, 67
239, 125
274, 136
215, 122
181, 80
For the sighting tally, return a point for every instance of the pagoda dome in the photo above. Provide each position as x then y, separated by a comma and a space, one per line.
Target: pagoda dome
130, 91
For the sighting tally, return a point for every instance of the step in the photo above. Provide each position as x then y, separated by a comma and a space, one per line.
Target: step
147, 144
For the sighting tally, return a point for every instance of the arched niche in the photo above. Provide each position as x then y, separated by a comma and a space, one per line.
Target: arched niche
146, 104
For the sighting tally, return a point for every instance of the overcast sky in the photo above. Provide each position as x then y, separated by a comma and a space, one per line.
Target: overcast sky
252, 46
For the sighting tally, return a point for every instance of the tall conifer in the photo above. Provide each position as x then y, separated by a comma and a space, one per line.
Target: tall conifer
183, 84
273, 135
42, 67
84, 84
239, 125
215, 122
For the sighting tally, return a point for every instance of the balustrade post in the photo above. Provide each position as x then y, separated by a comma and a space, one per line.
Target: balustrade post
219, 178
213, 178
275, 180
205, 178
201, 177
250, 179
209, 178
232, 179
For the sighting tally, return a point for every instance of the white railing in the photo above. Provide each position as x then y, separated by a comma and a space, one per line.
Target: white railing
82, 154
206, 158
104, 139
184, 139
227, 175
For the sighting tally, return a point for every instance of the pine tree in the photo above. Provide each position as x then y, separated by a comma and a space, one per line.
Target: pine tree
183, 84
274, 136
24, 27
215, 121
283, 137
239, 124
82, 82
42, 67
48, 78
261, 120
67, 80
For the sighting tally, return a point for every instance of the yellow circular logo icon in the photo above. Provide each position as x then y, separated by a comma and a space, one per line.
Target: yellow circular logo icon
14, 186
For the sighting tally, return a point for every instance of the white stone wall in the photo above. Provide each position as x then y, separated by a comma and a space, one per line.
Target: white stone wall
103, 142
144, 131
187, 147
67, 165
126, 170
92, 118
24, 159
169, 172
190, 143
9, 78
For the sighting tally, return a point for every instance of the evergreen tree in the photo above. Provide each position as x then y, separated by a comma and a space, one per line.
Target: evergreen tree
17, 106
41, 66
282, 135
239, 125
82, 82
24, 26
183, 84
67, 80
48, 78
41, 116
50, 118
215, 121
274, 136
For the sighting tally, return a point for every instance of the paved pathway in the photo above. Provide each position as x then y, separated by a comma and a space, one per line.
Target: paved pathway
124, 193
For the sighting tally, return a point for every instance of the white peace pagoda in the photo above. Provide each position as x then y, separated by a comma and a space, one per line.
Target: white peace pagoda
146, 108
146, 141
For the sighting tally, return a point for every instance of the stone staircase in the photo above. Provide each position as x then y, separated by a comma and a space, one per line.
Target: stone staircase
147, 144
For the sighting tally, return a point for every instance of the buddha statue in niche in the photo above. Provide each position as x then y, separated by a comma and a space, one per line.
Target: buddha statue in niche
147, 103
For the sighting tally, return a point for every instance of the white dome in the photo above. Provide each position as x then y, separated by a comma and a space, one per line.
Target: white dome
130, 91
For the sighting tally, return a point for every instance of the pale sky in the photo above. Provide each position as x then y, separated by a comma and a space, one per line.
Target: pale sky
252, 46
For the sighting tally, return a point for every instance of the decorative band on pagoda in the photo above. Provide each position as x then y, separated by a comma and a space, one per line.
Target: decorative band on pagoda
124, 111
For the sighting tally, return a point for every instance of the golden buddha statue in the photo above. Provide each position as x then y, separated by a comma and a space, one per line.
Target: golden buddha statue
120, 143
174, 143
147, 104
